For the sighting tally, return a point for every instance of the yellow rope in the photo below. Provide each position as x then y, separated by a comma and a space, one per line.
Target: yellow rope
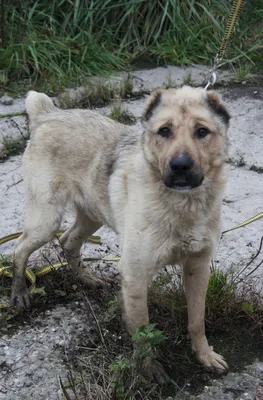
242, 224
46, 269
31, 276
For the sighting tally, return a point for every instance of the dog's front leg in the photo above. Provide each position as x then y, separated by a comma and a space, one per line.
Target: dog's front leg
196, 276
136, 277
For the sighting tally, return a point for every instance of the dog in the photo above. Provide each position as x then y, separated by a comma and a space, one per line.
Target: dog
160, 190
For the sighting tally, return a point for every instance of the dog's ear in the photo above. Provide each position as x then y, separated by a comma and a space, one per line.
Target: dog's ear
216, 106
152, 104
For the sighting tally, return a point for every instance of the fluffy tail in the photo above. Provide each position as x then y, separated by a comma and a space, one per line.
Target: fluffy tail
37, 104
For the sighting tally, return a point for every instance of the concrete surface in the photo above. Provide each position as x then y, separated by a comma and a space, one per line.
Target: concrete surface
243, 199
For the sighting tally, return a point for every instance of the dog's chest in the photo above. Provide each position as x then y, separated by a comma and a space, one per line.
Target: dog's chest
180, 244
179, 237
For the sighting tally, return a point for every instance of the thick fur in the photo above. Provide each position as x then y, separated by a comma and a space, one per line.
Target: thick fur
115, 175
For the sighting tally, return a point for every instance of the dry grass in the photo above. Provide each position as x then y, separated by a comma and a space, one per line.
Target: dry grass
96, 93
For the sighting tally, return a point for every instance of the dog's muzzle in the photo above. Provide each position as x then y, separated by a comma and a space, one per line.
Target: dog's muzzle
182, 173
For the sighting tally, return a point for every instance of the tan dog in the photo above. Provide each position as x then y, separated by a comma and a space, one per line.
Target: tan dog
164, 185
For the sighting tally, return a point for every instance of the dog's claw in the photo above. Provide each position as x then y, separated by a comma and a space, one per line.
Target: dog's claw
21, 299
153, 371
213, 362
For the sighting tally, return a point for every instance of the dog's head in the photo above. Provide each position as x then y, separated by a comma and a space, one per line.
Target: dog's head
185, 136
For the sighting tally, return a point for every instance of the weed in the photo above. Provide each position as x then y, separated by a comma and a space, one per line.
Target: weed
96, 93
127, 87
169, 82
145, 340
188, 80
220, 292
122, 115
12, 146
3, 78
242, 73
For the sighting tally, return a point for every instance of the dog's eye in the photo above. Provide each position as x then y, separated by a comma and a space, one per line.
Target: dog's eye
202, 132
165, 131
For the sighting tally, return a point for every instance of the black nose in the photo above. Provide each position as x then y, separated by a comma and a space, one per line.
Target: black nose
181, 163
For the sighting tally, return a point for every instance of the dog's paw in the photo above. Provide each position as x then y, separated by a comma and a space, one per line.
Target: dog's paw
92, 280
212, 361
21, 299
153, 371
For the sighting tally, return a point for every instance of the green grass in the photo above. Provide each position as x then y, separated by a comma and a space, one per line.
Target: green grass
12, 147
242, 73
61, 42
121, 114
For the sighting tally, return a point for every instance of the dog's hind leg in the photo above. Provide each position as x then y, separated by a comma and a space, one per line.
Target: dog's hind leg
72, 241
42, 223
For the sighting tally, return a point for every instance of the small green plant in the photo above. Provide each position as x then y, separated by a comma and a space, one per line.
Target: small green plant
5, 260
146, 340
122, 115
119, 368
218, 282
188, 79
221, 291
246, 306
127, 87
242, 73
169, 82
12, 146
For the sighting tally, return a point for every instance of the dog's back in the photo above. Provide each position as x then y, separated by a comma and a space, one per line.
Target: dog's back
73, 151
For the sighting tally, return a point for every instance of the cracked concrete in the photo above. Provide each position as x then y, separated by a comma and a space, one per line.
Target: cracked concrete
243, 199
247, 385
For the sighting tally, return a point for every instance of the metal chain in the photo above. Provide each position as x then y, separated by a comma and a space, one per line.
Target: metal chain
235, 12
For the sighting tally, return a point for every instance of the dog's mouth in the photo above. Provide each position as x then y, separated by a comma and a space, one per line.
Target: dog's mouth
183, 184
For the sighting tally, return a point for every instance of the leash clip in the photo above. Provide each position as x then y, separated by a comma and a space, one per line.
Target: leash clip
213, 77
211, 80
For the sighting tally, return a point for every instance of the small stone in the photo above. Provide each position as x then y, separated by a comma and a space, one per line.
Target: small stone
6, 100
18, 383
255, 92
244, 82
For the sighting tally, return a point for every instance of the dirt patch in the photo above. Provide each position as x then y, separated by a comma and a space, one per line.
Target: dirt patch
236, 91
